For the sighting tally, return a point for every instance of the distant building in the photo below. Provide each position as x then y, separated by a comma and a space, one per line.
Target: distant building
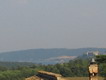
93, 53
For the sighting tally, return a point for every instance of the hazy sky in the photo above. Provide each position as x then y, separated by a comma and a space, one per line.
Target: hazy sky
28, 24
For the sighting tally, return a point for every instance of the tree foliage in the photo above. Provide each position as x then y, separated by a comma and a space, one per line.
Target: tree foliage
101, 59
73, 68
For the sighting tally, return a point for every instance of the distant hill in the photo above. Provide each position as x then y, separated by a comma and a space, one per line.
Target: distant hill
46, 56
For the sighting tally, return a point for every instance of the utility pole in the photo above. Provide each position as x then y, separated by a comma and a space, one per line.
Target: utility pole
93, 70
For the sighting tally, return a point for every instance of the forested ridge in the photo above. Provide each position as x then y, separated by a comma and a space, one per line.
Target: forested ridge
38, 55
73, 68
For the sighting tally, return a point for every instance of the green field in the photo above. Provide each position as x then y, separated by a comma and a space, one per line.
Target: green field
81, 78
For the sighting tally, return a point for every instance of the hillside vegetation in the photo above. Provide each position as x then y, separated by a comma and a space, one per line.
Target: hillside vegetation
75, 68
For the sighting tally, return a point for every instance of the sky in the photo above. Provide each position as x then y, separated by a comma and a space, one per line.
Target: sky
33, 24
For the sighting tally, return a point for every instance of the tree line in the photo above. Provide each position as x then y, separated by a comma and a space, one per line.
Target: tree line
73, 68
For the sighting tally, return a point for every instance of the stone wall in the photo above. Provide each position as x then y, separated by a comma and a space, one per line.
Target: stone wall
44, 75
49, 75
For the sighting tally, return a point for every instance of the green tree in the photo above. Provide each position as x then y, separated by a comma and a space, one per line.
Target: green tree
101, 59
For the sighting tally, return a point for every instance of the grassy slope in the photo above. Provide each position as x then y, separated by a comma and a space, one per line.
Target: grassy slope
80, 78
